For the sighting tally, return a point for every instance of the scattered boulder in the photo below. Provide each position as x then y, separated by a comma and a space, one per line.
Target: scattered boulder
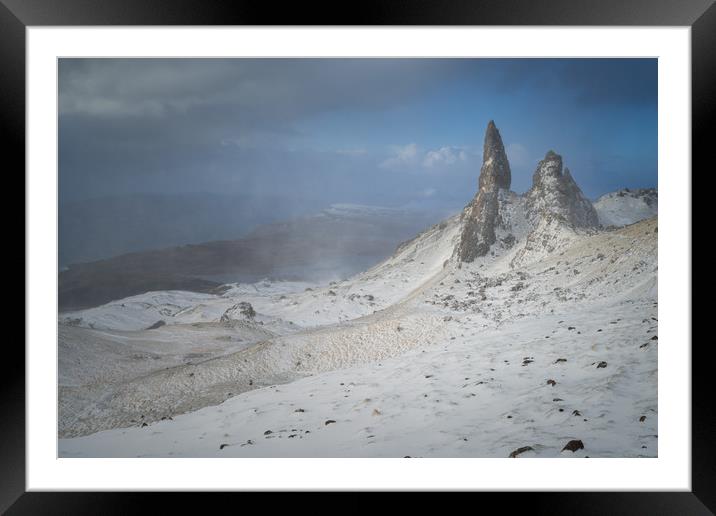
551, 382
241, 310
601, 365
520, 451
328, 422
156, 325
509, 241
573, 445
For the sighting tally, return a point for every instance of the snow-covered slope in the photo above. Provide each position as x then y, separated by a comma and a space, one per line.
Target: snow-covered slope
547, 335
627, 206
479, 395
452, 322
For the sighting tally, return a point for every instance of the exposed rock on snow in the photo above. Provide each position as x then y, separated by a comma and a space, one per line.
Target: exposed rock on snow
495, 172
573, 445
555, 193
496, 213
239, 311
520, 451
481, 215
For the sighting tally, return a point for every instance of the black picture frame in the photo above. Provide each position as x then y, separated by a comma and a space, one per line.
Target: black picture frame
17, 15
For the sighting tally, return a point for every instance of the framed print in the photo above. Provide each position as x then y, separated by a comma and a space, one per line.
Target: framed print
417, 250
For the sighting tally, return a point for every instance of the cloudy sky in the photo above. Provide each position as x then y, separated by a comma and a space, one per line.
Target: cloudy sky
391, 132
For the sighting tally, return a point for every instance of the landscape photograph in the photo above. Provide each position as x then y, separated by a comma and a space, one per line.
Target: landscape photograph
357, 257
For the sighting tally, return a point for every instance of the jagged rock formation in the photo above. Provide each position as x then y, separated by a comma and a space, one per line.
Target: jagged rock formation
545, 218
495, 172
482, 214
554, 193
237, 312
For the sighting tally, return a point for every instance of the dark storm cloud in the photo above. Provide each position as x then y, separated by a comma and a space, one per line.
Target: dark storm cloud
616, 82
586, 81
210, 148
251, 93
181, 125
143, 118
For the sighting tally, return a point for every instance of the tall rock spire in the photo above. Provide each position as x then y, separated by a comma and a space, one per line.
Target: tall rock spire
495, 167
555, 193
480, 216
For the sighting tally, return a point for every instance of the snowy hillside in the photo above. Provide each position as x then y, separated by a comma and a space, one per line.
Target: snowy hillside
546, 335
441, 373
627, 206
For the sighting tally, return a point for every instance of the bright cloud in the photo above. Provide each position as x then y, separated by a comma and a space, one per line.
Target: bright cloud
429, 192
402, 155
444, 156
414, 156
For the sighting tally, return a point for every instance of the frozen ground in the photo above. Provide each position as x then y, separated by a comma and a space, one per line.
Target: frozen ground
479, 395
627, 206
418, 356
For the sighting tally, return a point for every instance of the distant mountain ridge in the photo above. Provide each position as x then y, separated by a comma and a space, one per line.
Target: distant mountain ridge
339, 241
101, 228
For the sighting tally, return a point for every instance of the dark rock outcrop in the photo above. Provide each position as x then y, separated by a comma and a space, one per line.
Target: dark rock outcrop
573, 445
156, 325
520, 451
555, 193
237, 312
482, 214
495, 169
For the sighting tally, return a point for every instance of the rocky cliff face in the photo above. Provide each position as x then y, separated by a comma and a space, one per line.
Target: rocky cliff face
554, 200
554, 193
495, 172
482, 214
